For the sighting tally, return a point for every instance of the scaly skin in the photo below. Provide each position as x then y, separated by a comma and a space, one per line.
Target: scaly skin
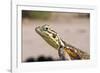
65, 51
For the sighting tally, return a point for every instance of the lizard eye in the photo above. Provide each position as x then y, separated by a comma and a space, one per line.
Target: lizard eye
46, 29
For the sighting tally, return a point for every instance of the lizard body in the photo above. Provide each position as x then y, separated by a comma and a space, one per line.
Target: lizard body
65, 51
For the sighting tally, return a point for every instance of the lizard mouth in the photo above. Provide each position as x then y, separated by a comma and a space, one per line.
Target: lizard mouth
37, 29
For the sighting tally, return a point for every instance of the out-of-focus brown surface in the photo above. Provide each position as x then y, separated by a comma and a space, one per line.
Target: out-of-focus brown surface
73, 28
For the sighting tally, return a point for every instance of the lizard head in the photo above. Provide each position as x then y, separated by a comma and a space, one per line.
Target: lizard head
49, 35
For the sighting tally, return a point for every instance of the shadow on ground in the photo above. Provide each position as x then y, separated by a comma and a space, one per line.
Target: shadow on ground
40, 59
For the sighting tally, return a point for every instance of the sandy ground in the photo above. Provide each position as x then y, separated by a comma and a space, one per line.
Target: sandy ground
74, 31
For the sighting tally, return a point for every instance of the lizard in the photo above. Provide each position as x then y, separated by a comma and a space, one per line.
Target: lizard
65, 50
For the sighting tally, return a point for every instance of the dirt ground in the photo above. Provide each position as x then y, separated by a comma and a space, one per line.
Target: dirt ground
75, 31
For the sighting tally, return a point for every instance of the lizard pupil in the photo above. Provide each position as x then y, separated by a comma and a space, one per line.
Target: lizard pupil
46, 28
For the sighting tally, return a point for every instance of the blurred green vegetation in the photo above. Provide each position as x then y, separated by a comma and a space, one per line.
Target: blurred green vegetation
42, 15
87, 15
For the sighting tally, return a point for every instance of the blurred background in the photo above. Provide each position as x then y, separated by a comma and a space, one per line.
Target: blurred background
73, 28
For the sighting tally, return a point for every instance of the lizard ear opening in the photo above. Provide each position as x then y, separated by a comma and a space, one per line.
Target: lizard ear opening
54, 35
